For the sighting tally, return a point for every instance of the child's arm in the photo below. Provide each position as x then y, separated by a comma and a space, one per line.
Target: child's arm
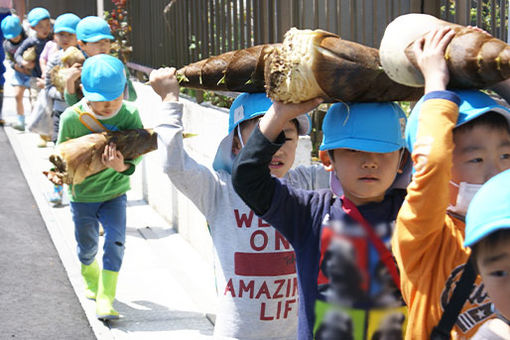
50, 88
272, 123
70, 91
420, 229
198, 182
18, 56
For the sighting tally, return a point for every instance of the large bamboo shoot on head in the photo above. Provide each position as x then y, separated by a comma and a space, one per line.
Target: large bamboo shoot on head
79, 158
475, 59
306, 65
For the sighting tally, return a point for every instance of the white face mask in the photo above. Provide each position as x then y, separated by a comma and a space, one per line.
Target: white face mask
238, 128
464, 197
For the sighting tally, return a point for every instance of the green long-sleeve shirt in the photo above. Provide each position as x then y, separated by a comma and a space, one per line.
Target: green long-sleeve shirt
108, 183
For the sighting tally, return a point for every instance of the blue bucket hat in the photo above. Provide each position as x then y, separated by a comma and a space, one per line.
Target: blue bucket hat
103, 78
66, 23
11, 27
245, 107
489, 211
37, 14
92, 29
473, 104
369, 127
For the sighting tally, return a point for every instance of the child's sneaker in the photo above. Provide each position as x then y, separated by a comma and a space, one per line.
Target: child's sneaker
56, 196
43, 141
20, 125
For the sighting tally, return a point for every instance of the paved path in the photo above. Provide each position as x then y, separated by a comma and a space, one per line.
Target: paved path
37, 299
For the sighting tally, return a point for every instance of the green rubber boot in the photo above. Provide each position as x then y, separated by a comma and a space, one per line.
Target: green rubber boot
90, 275
106, 295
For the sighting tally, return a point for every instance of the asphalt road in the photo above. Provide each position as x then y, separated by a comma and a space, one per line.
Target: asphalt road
37, 300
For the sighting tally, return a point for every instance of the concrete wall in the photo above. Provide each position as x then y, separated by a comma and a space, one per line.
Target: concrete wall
210, 125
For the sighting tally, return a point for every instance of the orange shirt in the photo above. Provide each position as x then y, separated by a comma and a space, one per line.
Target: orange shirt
428, 243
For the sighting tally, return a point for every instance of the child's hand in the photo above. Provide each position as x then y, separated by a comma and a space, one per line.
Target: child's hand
113, 158
165, 84
279, 114
21, 69
28, 64
74, 72
430, 51
40, 83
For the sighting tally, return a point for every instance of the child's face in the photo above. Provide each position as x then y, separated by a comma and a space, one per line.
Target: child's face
284, 158
16, 39
365, 176
102, 46
106, 109
479, 154
494, 267
65, 39
43, 28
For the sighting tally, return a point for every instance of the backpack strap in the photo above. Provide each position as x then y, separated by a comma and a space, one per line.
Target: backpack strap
90, 122
458, 299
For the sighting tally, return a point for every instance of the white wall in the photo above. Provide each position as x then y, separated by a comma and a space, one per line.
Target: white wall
210, 125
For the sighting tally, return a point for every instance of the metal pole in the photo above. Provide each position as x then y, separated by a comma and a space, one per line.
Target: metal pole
100, 8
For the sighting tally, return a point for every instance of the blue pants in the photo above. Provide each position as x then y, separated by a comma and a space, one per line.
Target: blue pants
112, 215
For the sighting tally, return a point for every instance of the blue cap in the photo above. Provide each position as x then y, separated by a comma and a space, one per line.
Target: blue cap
369, 127
489, 210
250, 105
66, 23
37, 14
11, 27
103, 78
92, 29
473, 104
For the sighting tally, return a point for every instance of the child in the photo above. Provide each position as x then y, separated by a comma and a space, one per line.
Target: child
65, 36
47, 53
6, 7
101, 197
14, 36
94, 37
255, 271
345, 271
39, 20
459, 140
488, 236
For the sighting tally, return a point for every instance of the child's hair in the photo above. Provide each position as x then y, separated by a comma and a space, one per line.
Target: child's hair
491, 119
489, 242
475, 107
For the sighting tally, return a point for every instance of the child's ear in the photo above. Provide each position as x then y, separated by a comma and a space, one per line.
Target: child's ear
326, 162
236, 146
404, 159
